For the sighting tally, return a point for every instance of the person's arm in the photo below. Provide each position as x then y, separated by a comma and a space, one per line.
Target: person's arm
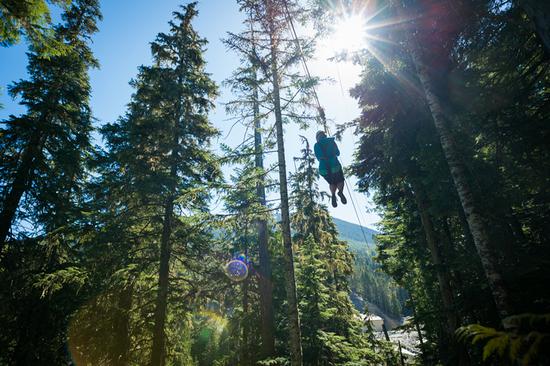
336, 148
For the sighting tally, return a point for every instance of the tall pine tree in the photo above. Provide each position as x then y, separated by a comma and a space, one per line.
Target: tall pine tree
43, 150
331, 327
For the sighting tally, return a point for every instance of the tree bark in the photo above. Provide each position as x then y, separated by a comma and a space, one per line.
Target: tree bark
159, 336
290, 282
264, 281
246, 359
443, 276
20, 184
158, 353
539, 13
458, 171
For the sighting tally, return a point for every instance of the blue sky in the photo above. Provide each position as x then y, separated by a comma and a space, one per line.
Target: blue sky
122, 45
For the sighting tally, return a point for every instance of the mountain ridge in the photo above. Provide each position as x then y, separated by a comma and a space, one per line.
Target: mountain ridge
353, 234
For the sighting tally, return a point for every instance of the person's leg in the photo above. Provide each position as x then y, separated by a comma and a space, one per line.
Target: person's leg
340, 187
333, 188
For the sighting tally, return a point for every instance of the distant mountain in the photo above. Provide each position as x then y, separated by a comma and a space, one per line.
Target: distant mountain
353, 234
370, 287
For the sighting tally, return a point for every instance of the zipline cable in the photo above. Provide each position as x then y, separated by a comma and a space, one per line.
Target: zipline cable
356, 214
319, 107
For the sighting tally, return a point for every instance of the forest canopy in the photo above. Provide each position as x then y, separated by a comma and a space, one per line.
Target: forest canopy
149, 239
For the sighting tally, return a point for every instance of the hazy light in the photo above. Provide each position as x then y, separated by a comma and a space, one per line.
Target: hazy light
349, 34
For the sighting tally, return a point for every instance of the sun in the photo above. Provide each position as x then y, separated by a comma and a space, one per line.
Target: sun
349, 34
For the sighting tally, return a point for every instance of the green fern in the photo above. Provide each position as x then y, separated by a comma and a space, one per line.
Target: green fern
526, 338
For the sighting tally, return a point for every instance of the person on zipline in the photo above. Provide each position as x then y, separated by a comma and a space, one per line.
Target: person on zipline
330, 168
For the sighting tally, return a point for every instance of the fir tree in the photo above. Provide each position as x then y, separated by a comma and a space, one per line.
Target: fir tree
275, 54
31, 18
153, 193
186, 93
42, 166
43, 150
248, 84
330, 324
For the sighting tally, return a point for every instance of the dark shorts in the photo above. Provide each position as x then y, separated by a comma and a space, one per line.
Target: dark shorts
334, 178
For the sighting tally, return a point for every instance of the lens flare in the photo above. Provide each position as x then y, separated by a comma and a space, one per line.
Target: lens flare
237, 269
349, 33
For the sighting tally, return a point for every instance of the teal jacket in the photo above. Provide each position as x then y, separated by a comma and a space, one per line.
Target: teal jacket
326, 152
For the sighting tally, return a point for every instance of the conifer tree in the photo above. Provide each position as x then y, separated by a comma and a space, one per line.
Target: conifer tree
243, 202
176, 94
457, 166
42, 175
401, 154
330, 325
152, 195
246, 84
277, 53
43, 150
31, 18
275, 21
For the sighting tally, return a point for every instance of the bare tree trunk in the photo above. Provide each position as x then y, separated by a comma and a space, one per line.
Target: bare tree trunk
443, 276
465, 192
290, 282
264, 281
539, 13
20, 184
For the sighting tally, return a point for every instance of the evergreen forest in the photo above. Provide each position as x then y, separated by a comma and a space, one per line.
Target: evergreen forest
153, 239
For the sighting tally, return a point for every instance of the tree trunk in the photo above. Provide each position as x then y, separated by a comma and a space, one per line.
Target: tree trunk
158, 353
443, 276
309, 176
290, 282
465, 192
159, 336
20, 184
121, 349
264, 281
245, 348
539, 13
468, 238
385, 330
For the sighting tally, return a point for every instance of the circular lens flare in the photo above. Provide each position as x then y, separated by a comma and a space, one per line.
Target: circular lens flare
236, 270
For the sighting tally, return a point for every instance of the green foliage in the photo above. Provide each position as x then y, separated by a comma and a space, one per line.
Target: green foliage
525, 341
59, 280
42, 177
80, 264
278, 361
32, 19
468, 55
331, 329
49, 143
